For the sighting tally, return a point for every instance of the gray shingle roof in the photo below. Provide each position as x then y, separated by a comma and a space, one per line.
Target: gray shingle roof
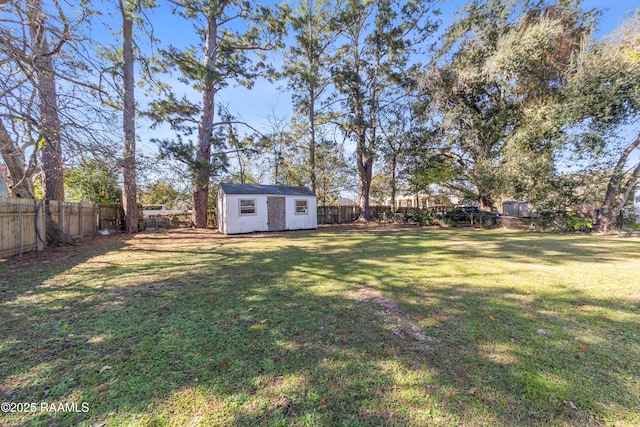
280, 190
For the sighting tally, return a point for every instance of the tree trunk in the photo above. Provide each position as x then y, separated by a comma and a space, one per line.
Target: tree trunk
394, 184
129, 186
53, 177
485, 202
14, 159
365, 173
312, 138
366, 149
205, 128
612, 205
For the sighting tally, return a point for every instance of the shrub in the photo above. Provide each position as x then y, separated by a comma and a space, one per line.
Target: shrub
576, 223
422, 218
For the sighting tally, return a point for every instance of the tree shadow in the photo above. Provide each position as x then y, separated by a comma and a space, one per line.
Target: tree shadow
248, 332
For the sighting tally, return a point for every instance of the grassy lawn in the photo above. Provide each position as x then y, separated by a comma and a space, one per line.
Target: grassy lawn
341, 326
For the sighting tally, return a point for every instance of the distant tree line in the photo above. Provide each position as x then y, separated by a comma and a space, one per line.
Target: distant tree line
511, 100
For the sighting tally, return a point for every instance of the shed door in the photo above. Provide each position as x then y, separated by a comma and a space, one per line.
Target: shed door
277, 213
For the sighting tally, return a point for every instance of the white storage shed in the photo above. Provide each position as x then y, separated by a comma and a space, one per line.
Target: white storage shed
245, 208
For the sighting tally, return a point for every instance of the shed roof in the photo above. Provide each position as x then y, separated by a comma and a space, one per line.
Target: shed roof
280, 190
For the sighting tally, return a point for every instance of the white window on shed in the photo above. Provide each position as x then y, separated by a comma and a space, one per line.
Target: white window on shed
247, 206
302, 208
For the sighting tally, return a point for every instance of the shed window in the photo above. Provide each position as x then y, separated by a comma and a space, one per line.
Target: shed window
247, 206
301, 207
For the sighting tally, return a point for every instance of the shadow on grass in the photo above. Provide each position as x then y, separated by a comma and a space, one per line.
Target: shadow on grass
189, 328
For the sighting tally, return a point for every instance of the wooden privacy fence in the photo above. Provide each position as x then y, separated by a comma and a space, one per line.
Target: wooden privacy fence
337, 214
154, 221
22, 226
76, 219
23, 223
111, 217
347, 214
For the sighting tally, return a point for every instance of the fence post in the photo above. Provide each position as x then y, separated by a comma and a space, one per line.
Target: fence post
62, 217
80, 220
68, 216
20, 237
40, 226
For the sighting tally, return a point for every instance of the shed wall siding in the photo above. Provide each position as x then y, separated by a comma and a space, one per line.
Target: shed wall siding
236, 223
231, 222
222, 212
301, 222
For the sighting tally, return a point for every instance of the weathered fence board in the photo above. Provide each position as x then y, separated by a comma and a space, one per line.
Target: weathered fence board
161, 220
22, 223
348, 214
76, 219
337, 214
21, 226
111, 216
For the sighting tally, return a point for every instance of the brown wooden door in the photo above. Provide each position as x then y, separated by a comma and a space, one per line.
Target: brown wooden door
277, 215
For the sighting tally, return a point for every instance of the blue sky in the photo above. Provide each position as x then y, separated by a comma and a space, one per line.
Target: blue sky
259, 104
265, 99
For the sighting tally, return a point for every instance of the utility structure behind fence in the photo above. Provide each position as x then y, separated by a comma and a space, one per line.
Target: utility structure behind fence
23, 223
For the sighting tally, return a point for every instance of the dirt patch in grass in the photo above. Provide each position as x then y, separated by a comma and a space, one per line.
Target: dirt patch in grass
365, 292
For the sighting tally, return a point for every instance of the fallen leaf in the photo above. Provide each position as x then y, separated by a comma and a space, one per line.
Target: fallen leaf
573, 406
103, 387
263, 321
542, 331
512, 339
479, 337
472, 391
492, 318
583, 346
105, 368
65, 326
223, 365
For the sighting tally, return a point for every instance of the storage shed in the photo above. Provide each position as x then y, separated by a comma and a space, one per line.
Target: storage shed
245, 208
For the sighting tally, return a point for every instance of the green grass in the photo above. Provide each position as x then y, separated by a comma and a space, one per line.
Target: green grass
191, 328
